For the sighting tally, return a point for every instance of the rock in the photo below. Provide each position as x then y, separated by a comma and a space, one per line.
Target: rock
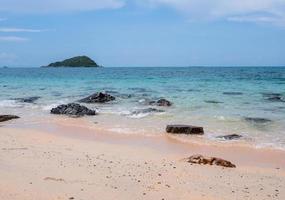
99, 97
4, 118
72, 109
199, 159
146, 110
78, 61
230, 137
161, 102
184, 129
213, 101
232, 93
257, 120
273, 97
27, 99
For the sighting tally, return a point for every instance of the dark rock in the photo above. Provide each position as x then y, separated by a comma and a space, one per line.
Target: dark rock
199, 159
184, 129
230, 137
213, 101
27, 99
257, 120
4, 118
232, 93
273, 97
161, 102
72, 109
99, 97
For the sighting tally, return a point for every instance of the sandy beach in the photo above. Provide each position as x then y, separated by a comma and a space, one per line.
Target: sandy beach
56, 160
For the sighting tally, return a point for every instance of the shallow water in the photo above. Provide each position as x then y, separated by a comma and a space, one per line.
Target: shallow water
220, 99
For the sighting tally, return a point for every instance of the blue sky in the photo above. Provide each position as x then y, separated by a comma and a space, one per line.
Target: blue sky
143, 32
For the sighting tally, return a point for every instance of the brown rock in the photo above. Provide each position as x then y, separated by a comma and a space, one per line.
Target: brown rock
184, 129
4, 118
199, 159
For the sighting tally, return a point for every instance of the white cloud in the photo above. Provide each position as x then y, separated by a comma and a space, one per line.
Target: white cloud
17, 30
12, 39
233, 10
47, 6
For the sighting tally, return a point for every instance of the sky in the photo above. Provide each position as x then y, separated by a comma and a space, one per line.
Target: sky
143, 32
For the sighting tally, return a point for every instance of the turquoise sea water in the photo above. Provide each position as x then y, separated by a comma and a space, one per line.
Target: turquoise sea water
217, 98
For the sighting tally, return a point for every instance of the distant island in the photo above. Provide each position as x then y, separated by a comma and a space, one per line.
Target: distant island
78, 61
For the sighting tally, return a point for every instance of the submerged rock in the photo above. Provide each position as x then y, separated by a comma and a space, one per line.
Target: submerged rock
72, 109
230, 137
199, 159
273, 97
146, 110
4, 118
232, 93
27, 99
161, 102
257, 120
213, 101
184, 129
99, 97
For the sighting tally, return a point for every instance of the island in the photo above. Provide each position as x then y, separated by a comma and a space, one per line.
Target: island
78, 61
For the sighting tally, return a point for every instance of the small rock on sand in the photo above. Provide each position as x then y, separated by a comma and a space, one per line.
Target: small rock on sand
199, 159
185, 129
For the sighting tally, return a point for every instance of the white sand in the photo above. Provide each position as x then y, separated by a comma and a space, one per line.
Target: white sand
35, 164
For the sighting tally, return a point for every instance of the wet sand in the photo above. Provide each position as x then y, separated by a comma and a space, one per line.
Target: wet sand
66, 159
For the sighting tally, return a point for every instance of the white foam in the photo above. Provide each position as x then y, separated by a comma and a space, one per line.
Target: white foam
10, 104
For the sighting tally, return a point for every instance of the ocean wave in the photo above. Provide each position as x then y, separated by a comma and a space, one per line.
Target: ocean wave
10, 104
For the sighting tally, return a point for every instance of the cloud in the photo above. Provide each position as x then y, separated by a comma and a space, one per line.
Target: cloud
256, 19
232, 10
48, 6
17, 30
12, 39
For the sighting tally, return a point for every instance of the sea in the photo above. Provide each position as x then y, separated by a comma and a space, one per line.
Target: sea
249, 101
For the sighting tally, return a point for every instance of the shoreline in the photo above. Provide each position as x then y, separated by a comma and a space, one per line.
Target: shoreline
236, 151
64, 160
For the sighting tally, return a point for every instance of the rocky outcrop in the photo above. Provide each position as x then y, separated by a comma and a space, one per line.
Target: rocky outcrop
72, 109
4, 118
99, 97
230, 137
161, 102
199, 159
185, 129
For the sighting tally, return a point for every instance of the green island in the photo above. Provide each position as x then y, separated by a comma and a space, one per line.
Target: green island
78, 61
